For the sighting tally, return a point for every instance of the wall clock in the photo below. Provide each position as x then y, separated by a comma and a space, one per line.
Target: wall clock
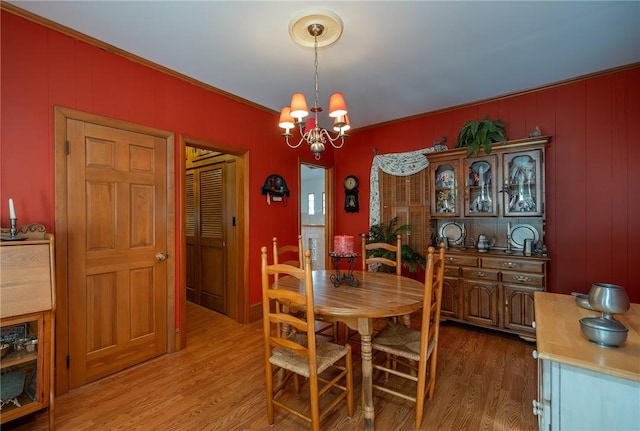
351, 203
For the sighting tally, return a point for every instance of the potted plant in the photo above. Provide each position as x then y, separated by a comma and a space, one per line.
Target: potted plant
387, 232
480, 134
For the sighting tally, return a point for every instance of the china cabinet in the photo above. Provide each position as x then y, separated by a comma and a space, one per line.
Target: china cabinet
27, 327
490, 210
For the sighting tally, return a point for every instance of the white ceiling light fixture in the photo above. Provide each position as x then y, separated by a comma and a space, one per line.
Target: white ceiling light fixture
316, 29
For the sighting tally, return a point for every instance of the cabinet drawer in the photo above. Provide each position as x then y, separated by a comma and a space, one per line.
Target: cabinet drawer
513, 264
461, 260
484, 274
527, 279
451, 271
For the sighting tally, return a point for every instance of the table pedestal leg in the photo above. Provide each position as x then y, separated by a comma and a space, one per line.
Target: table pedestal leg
365, 327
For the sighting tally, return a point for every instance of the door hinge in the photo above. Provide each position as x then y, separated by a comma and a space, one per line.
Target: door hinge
68, 362
233, 221
66, 148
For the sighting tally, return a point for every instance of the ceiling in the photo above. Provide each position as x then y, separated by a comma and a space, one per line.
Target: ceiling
394, 59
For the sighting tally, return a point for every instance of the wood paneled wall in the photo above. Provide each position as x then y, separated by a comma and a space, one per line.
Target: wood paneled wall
593, 166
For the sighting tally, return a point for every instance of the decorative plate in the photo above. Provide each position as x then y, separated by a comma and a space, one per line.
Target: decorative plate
521, 232
453, 231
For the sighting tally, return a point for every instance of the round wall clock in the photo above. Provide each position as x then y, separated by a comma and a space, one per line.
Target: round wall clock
351, 182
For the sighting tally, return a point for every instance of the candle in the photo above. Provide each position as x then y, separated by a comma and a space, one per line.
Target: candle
508, 228
343, 244
12, 210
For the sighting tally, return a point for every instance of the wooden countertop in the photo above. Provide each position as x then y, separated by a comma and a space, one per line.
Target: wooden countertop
559, 338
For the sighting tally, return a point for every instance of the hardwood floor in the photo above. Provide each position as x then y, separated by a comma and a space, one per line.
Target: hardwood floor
486, 381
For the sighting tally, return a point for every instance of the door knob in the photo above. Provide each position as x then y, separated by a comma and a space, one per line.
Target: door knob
162, 256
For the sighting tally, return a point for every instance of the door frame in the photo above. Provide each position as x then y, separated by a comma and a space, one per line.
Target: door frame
61, 115
330, 215
242, 239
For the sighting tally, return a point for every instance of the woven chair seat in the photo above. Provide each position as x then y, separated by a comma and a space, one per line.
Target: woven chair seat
327, 354
398, 339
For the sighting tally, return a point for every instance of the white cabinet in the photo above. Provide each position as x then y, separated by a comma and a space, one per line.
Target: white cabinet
582, 386
573, 398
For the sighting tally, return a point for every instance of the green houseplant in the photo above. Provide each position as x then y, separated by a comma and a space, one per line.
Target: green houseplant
386, 232
480, 134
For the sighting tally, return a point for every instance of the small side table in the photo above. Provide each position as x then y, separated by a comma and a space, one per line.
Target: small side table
339, 277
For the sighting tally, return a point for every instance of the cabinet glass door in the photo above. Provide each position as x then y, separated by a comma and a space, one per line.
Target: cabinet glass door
444, 183
523, 184
480, 199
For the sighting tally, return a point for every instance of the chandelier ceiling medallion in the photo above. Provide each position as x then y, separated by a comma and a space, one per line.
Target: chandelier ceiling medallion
317, 29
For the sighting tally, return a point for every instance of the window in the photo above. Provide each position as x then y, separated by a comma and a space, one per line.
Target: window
311, 203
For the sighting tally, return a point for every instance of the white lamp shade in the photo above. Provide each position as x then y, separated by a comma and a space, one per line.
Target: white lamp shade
286, 120
299, 106
337, 105
341, 124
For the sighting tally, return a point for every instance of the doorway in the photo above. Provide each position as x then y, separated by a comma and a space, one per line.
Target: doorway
316, 216
219, 224
210, 230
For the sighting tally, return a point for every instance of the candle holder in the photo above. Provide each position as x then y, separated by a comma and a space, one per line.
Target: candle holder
509, 250
13, 230
462, 245
12, 235
339, 277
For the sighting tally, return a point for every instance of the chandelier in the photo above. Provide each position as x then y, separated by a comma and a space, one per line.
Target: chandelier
323, 29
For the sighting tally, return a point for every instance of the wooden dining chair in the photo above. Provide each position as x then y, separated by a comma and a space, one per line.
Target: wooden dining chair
289, 254
324, 364
412, 354
326, 329
383, 253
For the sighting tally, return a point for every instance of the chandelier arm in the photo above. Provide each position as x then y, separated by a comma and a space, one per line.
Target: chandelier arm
286, 138
326, 134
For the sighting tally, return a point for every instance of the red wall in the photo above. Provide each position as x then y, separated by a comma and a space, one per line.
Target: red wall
592, 171
592, 163
42, 68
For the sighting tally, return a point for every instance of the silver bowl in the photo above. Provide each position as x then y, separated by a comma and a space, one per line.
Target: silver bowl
604, 332
608, 298
582, 300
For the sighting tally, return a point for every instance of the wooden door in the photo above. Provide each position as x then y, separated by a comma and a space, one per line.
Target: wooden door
208, 206
117, 246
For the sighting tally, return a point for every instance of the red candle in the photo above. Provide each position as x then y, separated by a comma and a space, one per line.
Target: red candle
343, 244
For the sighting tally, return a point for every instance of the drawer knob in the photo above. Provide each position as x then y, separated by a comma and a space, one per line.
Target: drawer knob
479, 274
510, 264
534, 354
521, 278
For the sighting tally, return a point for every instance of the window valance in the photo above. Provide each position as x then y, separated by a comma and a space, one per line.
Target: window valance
399, 164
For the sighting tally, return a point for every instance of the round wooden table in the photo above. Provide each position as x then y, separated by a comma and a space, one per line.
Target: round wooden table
378, 295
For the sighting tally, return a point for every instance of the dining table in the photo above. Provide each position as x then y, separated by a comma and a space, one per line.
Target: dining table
377, 295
